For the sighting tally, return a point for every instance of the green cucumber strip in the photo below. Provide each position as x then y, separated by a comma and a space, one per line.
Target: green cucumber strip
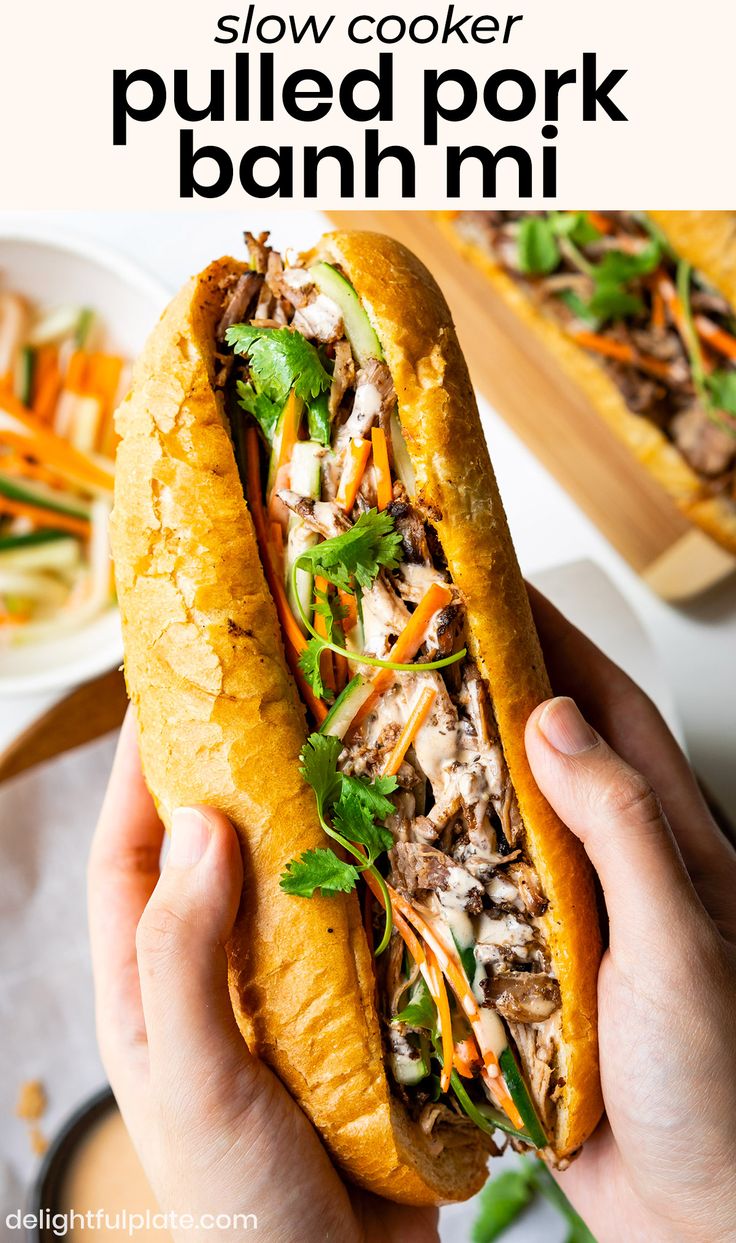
84, 327
521, 1098
402, 461
485, 1117
24, 375
358, 328
30, 539
58, 555
37, 494
345, 707
467, 958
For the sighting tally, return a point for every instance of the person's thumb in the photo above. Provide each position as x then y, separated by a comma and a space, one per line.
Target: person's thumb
618, 818
180, 941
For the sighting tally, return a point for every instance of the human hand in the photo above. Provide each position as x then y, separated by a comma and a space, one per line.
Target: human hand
661, 1167
214, 1128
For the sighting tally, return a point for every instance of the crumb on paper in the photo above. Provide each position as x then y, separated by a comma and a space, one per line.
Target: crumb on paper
31, 1100
39, 1142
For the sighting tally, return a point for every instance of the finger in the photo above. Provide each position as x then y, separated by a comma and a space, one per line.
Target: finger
634, 727
619, 819
181, 956
122, 874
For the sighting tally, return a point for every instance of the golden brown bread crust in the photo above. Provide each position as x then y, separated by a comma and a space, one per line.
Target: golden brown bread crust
220, 723
219, 715
444, 436
708, 241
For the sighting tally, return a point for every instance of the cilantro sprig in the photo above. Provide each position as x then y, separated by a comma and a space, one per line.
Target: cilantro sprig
280, 360
351, 562
717, 389
349, 809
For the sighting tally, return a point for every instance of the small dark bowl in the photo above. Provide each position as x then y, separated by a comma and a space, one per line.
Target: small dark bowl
46, 1194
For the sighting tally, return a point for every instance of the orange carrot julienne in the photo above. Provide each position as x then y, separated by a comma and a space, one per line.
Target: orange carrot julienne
54, 450
417, 717
658, 312
384, 490
466, 1058
45, 517
349, 603
316, 706
290, 434
356, 460
716, 337
408, 643
443, 1010
622, 352
600, 222
76, 372
327, 666
13, 464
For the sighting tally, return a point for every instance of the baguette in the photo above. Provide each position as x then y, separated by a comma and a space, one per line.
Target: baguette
221, 721
706, 240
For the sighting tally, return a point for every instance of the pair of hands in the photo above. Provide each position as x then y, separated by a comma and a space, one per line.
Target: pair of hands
217, 1132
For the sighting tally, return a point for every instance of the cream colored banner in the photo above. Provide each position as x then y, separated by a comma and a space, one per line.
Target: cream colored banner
420, 104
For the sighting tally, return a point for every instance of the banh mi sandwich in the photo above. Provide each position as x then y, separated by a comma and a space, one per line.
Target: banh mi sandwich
640, 310
327, 636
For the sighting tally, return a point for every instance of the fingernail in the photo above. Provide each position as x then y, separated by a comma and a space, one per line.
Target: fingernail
190, 836
565, 728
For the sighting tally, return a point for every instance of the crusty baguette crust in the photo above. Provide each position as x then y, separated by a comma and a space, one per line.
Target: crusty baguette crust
708, 241
220, 723
444, 436
219, 716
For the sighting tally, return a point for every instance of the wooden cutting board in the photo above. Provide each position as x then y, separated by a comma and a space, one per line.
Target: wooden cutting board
556, 421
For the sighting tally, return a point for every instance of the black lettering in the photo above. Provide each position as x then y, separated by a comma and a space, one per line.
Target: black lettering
553, 84
594, 95
263, 24
242, 86
380, 28
509, 23
232, 31
489, 162
291, 95
480, 28
549, 163
362, 17
374, 157
454, 28
283, 185
122, 108
434, 28
311, 26
383, 109
313, 156
433, 109
266, 63
526, 103
215, 109
188, 160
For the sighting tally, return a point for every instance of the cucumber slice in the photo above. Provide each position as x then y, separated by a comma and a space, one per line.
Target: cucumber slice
305, 479
402, 461
38, 587
358, 328
485, 1117
59, 554
410, 1070
24, 374
461, 927
521, 1098
346, 705
61, 322
38, 494
85, 325
30, 538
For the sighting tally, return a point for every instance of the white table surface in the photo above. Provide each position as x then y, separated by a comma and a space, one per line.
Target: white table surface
696, 645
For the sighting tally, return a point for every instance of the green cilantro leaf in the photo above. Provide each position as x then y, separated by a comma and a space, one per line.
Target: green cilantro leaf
310, 665
330, 610
576, 225
319, 420
539, 253
264, 411
280, 360
372, 794
319, 757
501, 1201
579, 308
617, 267
721, 386
354, 821
611, 301
358, 554
318, 869
421, 1010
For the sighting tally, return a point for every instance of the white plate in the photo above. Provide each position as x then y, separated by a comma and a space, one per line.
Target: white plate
52, 269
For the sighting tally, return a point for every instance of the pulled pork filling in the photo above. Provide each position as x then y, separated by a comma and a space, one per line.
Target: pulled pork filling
666, 339
468, 1002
